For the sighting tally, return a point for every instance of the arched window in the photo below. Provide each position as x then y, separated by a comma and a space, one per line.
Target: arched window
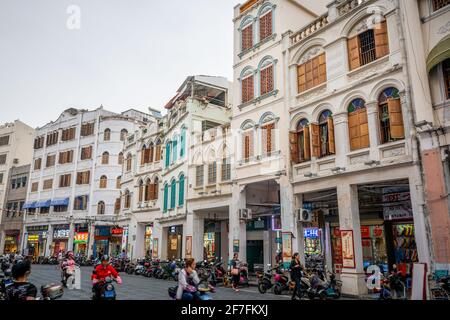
103, 182
265, 22
129, 161
268, 134
266, 76
173, 193
145, 155
105, 157
148, 190
247, 85
101, 208
151, 151
107, 135
248, 131
158, 151
391, 117
212, 168
141, 191
246, 29
155, 189
118, 182
166, 197
127, 199
123, 134
167, 154
175, 149
183, 142
181, 194
358, 126
299, 141
312, 71
322, 135
120, 158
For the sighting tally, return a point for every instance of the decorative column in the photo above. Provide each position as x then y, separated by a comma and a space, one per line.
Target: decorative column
374, 137
194, 229
71, 236
91, 241
49, 241
238, 231
300, 243
341, 138
352, 276
288, 209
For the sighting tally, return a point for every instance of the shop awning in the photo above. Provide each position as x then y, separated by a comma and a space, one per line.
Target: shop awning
60, 202
43, 204
29, 205
439, 53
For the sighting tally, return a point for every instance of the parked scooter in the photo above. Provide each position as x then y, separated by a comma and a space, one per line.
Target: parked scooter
265, 280
201, 292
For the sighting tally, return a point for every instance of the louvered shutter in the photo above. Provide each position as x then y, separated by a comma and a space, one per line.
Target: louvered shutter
353, 53
331, 143
381, 40
396, 119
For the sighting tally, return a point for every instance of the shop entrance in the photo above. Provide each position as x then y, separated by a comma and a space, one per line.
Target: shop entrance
212, 247
174, 243
255, 253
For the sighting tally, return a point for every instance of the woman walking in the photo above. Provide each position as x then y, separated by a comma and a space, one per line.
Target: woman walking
235, 272
296, 274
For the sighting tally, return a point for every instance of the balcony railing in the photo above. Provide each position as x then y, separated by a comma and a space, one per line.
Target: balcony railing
311, 28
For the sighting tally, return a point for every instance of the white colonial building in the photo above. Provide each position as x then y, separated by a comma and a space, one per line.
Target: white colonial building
74, 189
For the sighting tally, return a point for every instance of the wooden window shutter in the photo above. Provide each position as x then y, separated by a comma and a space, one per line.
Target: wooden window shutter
142, 156
331, 143
354, 130
315, 71
396, 119
381, 40
247, 37
293, 141
364, 128
301, 76
151, 195
322, 68
246, 146
150, 156
141, 192
306, 143
309, 75
315, 139
353, 53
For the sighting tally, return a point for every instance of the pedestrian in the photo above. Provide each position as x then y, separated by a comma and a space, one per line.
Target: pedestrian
296, 274
187, 275
235, 272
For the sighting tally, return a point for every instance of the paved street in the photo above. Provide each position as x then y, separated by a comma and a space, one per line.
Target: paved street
137, 287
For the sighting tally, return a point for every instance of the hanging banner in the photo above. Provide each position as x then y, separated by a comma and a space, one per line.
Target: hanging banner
348, 249
287, 247
188, 247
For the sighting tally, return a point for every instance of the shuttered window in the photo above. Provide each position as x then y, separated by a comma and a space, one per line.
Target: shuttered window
105, 158
247, 37
438, 4
65, 180
118, 182
155, 194
173, 194
391, 117
120, 158
37, 163
446, 70
39, 142
199, 175
322, 136
226, 169
358, 125
268, 139
166, 197
52, 138
4, 140
84, 177
34, 186
87, 129
266, 79
299, 140
265, 26
48, 184
181, 195
129, 162
86, 153
107, 135
50, 162
247, 146
117, 206
312, 73
103, 182
212, 173
368, 46
127, 199
68, 134
168, 145
248, 89
141, 191
65, 157
158, 152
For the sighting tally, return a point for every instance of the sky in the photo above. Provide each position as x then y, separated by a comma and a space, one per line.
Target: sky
60, 54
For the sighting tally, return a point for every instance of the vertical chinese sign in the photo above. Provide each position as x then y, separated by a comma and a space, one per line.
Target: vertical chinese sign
348, 249
188, 246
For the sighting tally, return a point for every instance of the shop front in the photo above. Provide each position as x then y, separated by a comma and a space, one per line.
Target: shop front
175, 242
36, 241
81, 238
115, 245
148, 240
264, 241
12, 238
101, 240
60, 238
212, 240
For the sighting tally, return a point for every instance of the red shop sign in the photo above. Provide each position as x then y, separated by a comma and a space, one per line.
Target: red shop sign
365, 232
117, 231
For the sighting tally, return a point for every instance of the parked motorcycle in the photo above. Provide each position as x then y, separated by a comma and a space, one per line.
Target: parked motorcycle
200, 292
441, 291
265, 280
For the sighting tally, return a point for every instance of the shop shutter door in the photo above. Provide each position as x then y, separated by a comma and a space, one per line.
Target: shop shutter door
353, 53
331, 144
301, 76
306, 143
396, 119
364, 128
315, 140
354, 130
381, 40
293, 146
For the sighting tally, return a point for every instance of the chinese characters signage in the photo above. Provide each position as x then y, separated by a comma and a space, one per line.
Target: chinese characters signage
348, 249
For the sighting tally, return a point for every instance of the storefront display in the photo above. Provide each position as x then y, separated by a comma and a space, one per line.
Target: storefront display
174, 248
81, 238
405, 248
211, 239
116, 241
36, 239
60, 238
101, 240
11, 241
148, 241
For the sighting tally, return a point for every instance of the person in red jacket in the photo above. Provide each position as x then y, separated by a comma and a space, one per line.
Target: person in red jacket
101, 272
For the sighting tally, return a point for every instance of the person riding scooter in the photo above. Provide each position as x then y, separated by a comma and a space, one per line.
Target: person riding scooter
101, 272
67, 267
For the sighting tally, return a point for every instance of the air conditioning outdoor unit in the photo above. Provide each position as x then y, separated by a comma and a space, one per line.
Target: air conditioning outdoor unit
304, 215
245, 214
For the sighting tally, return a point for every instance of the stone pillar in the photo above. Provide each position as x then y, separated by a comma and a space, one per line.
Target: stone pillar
353, 279
195, 228
341, 138
373, 122
71, 236
49, 241
2, 241
224, 255
326, 247
237, 227
288, 210
91, 240
300, 239
136, 239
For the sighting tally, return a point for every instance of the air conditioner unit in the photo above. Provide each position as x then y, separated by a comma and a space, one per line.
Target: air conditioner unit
304, 215
245, 214
16, 161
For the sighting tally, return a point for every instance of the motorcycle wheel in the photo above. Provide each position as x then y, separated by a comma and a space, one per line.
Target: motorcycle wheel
323, 295
262, 288
277, 289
